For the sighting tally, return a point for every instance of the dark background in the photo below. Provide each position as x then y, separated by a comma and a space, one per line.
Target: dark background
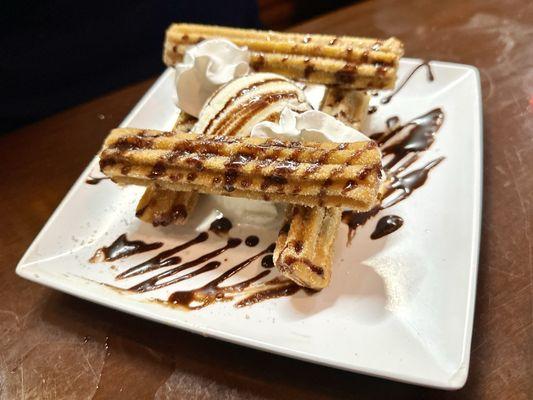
58, 53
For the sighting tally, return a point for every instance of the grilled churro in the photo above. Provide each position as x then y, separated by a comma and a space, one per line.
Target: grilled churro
357, 63
311, 174
304, 248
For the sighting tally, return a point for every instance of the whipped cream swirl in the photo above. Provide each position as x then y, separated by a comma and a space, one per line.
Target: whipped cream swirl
309, 126
205, 67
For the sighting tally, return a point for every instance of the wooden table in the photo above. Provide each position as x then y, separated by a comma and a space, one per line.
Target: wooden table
56, 346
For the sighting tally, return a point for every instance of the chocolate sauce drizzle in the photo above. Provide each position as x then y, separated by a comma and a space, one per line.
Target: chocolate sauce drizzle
402, 144
250, 290
251, 241
386, 225
267, 261
158, 281
430, 77
91, 180
213, 291
164, 259
121, 248
221, 226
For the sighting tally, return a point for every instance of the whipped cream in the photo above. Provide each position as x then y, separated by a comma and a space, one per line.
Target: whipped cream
309, 126
205, 67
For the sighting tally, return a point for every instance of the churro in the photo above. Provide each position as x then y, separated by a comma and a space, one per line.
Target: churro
357, 63
310, 174
304, 248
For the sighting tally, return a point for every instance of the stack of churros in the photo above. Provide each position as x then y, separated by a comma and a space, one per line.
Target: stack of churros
215, 155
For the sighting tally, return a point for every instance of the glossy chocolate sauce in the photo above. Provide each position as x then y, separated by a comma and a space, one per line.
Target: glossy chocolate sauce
251, 241
430, 78
213, 291
163, 259
158, 281
121, 248
400, 146
386, 225
221, 226
95, 181
267, 261
418, 135
407, 183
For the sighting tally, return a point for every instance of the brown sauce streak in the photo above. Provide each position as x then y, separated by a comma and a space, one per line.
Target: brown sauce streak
163, 259
430, 77
416, 136
95, 181
156, 282
121, 248
213, 291
386, 225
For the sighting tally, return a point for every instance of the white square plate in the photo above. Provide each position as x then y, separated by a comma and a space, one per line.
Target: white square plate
400, 307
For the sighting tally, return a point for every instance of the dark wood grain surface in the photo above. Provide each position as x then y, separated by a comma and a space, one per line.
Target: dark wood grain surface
56, 346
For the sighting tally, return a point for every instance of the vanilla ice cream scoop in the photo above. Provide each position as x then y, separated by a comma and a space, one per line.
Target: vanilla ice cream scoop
246, 101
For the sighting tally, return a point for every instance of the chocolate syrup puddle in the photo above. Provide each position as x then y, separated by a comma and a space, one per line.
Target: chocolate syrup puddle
267, 261
221, 226
213, 291
156, 282
402, 143
163, 259
430, 77
91, 180
121, 248
252, 241
386, 225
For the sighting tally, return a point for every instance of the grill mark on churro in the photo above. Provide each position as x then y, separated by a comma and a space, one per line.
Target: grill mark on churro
289, 260
137, 142
297, 245
257, 62
158, 170
347, 74
241, 92
358, 153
